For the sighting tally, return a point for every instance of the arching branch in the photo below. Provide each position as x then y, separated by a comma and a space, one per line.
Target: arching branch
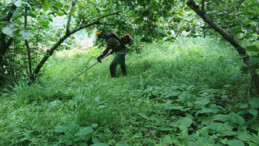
52, 49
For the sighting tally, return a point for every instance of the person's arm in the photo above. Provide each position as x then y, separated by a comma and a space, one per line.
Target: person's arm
107, 49
104, 52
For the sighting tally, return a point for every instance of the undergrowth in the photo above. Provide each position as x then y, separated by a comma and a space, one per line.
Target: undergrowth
186, 92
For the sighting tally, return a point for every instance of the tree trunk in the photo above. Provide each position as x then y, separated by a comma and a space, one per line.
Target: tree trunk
27, 43
241, 50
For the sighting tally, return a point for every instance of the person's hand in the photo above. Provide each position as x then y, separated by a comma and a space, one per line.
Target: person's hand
99, 59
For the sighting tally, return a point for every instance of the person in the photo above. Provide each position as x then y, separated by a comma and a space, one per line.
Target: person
115, 45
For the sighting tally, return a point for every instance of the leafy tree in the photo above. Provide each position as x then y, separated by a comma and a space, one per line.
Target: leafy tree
201, 11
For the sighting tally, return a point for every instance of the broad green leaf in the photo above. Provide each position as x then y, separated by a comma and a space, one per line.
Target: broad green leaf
228, 132
254, 112
220, 117
18, 3
226, 129
7, 30
206, 110
26, 34
167, 139
186, 122
83, 131
33, 15
244, 106
254, 102
203, 101
254, 60
186, 96
244, 136
248, 21
44, 23
255, 126
97, 99
174, 107
72, 126
236, 142
60, 129
183, 128
94, 125
214, 126
131, 14
95, 140
235, 118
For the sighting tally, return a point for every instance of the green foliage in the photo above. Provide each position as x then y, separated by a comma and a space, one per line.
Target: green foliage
238, 17
189, 92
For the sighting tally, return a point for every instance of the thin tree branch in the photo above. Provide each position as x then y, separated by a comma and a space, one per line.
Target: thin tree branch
83, 27
70, 15
103, 23
116, 13
97, 22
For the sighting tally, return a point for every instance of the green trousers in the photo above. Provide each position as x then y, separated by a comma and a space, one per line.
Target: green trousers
118, 59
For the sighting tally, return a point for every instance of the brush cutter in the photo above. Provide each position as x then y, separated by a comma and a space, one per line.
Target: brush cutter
93, 65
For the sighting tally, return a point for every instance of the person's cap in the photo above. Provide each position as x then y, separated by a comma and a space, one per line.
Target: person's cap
99, 32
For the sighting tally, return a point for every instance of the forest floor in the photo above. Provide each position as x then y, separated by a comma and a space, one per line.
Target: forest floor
187, 92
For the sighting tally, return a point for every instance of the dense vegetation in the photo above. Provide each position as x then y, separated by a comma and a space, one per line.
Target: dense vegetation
192, 73
188, 95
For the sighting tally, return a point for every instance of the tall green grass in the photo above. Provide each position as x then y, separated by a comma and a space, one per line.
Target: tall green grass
173, 94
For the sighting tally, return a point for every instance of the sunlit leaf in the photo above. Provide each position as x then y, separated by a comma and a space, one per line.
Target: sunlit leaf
26, 34
7, 30
18, 3
46, 5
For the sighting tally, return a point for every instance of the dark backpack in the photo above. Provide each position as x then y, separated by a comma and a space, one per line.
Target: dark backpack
126, 39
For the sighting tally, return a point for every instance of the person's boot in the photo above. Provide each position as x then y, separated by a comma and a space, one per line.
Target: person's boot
123, 69
113, 75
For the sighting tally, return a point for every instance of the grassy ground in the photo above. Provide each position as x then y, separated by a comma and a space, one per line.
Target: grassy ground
187, 92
